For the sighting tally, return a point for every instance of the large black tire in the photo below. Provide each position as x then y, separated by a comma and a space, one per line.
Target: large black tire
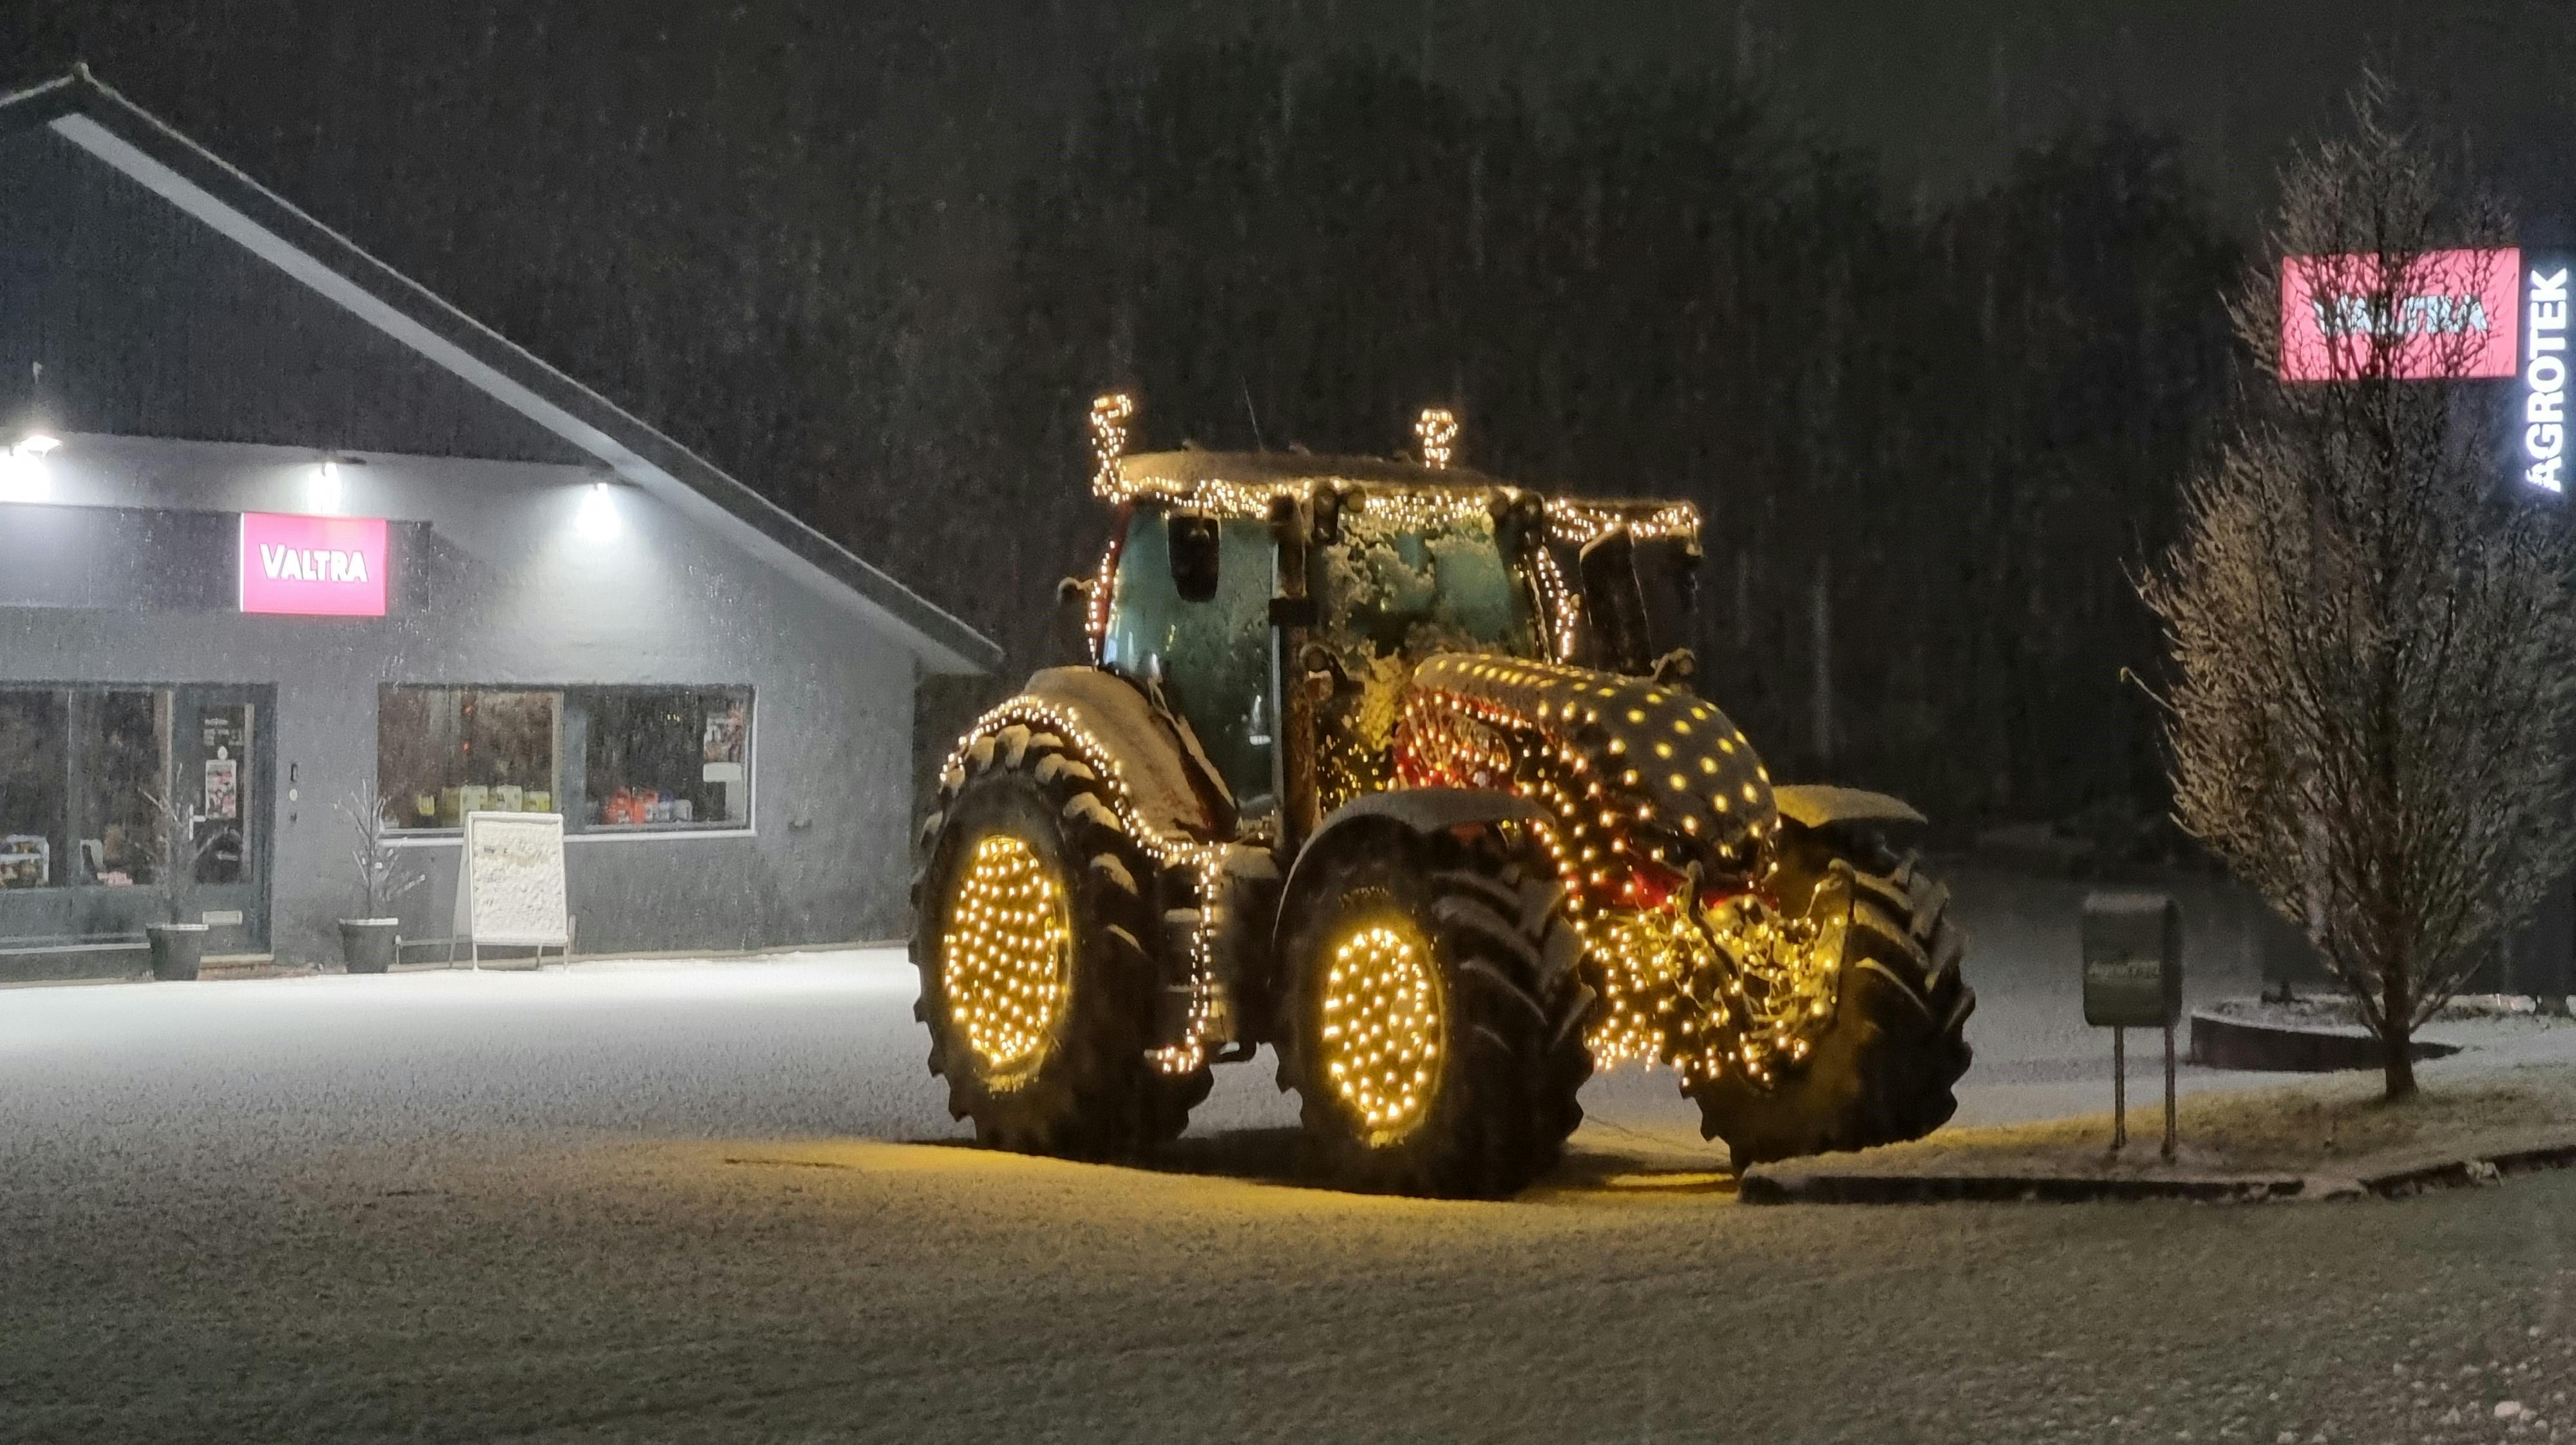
1089, 1092
1512, 1007
1883, 1069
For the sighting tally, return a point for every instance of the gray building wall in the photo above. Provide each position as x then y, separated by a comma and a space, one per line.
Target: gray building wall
512, 592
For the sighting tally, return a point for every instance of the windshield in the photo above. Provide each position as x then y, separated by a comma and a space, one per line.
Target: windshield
1396, 587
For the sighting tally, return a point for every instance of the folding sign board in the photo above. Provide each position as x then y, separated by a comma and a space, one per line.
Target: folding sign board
510, 882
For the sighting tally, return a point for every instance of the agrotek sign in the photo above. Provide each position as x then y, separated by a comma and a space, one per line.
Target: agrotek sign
2458, 315
2544, 380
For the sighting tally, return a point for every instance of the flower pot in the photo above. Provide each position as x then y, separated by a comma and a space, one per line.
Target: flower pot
367, 944
176, 950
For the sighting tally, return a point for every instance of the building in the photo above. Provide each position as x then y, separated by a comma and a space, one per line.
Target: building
278, 525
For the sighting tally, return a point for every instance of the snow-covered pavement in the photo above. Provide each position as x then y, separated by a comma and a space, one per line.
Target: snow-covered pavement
676, 1201
817, 1044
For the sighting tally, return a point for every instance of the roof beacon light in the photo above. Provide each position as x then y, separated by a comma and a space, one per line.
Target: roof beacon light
1436, 431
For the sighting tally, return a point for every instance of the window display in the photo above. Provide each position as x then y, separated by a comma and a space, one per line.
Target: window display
444, 752
34, 779
610, 759
120, 735
666, 757
78, 769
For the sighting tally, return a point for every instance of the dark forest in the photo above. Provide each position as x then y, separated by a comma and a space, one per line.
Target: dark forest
1934, 438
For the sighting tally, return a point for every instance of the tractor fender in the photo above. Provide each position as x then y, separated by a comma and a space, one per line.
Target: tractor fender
1819, 805
1151, 754
1419, 811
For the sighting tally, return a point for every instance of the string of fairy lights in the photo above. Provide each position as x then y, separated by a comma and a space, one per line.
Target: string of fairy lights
1560, 607
1051, 725
1110, 414
1380, 1025
1005, 951
1575, 521
1702, 989
1435, 436
1634, 781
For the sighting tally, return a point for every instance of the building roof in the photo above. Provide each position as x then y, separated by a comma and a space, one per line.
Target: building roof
123, 135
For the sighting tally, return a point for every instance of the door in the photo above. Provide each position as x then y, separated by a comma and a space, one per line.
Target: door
223, 767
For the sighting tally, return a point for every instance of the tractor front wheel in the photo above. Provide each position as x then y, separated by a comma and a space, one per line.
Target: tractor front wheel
1883, 1066
1433, 1017
1035, 983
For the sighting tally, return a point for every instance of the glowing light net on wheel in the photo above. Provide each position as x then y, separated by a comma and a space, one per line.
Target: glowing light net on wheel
1381, 1026
1006, 951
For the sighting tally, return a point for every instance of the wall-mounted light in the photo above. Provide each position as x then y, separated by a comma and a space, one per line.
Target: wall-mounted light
24, 476
597, 517
322, 491
326, 487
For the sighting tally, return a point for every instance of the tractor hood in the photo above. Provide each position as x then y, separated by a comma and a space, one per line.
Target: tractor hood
1666, 759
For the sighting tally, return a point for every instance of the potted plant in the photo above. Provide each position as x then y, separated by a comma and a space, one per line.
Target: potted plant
178, 944
368, 944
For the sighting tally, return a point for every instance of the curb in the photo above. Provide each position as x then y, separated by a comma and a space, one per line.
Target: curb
2010, 1188
2469, 1173
2220, 1042
2459, 1173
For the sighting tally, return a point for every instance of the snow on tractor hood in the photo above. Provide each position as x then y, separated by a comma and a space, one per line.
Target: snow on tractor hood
1665, 758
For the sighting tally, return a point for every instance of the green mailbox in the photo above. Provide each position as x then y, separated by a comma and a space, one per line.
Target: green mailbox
2132, 961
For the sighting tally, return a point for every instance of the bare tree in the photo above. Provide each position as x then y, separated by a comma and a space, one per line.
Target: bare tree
2370, 708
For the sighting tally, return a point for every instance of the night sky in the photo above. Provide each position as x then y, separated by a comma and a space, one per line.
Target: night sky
1771, 256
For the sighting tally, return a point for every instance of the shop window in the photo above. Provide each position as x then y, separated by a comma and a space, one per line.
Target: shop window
34, 786
120, 738
665, 757
79, 768
444, 752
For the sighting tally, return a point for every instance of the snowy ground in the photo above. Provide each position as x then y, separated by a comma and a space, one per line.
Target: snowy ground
686, 1201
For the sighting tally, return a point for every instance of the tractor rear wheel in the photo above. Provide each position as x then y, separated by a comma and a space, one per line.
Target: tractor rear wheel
1433, 1018
1035, 983
1882, 1069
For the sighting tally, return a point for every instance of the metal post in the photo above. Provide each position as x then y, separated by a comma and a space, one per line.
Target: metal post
2169, 1093
2119, 1088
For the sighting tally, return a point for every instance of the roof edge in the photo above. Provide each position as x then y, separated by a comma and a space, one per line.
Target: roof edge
156, 155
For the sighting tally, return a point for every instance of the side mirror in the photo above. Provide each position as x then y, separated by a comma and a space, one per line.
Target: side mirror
1613, 601
1192, 543
1668, 578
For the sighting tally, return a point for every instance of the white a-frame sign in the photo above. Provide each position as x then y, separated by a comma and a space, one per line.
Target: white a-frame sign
510, 883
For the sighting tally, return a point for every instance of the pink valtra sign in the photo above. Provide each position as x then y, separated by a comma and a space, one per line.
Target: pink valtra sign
2448, 315
313, 566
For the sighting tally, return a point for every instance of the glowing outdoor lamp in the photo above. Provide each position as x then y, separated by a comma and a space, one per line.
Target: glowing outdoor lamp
324, 492
597, 519
24, 476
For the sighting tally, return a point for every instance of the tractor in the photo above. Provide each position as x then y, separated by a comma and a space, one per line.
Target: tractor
1399, 769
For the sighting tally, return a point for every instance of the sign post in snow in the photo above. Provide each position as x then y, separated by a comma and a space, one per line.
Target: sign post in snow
2133, 980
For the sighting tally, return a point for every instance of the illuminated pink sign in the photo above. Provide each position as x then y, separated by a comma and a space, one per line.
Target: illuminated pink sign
313, 566
2449, 315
